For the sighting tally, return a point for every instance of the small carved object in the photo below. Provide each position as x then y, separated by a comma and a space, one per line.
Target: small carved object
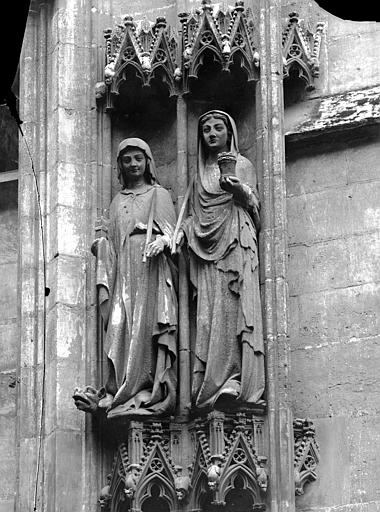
306, 454
182, 488
262, 476
105, 498
213, 472
100, 90
87, 399
131, 480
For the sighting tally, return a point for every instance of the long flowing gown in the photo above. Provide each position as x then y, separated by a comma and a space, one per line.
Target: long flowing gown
221, 236
139, 306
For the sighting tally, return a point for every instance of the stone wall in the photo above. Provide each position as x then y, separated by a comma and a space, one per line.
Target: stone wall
333, 195
8, 341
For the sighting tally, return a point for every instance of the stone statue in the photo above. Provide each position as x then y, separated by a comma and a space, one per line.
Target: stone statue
136, 290
221, 237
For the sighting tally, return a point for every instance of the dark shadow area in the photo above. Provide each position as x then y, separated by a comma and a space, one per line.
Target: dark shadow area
222, 90
294, 88
155, 503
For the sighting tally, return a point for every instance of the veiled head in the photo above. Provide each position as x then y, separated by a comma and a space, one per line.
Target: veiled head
135, 160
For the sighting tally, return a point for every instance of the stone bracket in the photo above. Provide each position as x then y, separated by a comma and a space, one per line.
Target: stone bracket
221, 449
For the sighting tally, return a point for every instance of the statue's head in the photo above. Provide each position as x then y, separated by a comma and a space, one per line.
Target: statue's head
135, 162
132, 162
215, 131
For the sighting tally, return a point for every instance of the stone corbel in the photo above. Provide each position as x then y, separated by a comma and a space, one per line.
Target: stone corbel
306, 454
301, 50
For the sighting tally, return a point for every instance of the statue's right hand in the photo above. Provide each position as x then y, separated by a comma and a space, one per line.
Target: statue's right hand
180, 239
94, 246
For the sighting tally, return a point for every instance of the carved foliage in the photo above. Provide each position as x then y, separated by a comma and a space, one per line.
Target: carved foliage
301, 49
306, 454
225, 34
149, 49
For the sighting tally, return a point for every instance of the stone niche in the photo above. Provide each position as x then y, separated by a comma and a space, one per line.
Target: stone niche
158, 83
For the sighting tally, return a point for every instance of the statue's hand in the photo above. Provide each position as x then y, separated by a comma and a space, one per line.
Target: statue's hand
94, 246
230, 184
155, 247
179, 240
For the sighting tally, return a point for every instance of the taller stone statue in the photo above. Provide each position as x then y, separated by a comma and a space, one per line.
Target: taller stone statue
136, 290
221, 236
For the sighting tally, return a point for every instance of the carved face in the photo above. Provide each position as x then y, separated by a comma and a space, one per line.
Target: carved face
181, 494
133, 164
215, 134
86, 399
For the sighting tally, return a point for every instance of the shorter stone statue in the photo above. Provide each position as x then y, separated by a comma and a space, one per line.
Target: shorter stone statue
136, 288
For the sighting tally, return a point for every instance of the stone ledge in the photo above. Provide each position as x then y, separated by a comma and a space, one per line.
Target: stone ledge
339, 112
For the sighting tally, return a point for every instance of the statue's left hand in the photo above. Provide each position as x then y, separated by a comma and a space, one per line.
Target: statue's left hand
155, 247
230, 184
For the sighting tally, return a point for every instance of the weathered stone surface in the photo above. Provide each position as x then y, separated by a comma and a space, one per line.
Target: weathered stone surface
67, 280
363, 162
63, 453
8, 222
8, 343
66, 227
8, 296
338, 315
337, 379
62, 377
65, 325
334, 213
312, 174
74, 94
334, 264
69, 186
346, 110
349, 449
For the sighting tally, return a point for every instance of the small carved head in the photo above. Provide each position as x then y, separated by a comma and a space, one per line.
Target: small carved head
105, 497
100, 90
182, 487
87, 399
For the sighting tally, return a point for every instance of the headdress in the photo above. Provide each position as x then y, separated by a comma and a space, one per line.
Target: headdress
134, 142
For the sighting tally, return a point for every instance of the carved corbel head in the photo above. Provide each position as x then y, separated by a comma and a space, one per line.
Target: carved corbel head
87, 399
105, 498
145, 63
226, 47
109, 73
131, 480
213, 472
182, 487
